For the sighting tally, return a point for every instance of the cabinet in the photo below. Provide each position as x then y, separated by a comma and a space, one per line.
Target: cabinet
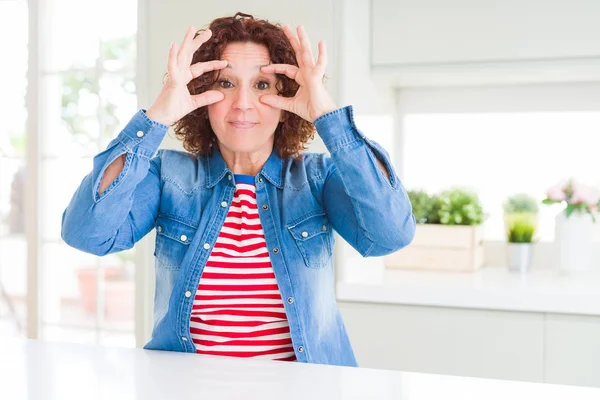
524, 346
572, 349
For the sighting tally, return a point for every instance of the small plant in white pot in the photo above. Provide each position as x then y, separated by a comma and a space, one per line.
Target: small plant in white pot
520, 236
520, 221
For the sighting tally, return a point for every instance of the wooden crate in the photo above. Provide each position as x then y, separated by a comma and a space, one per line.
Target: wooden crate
441, 247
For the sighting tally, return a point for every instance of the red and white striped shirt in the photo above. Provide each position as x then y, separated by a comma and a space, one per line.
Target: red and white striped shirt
238, 310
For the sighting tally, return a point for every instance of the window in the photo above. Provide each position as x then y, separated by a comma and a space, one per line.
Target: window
13, 244
501, 153
87, 96
379, 128
86, 93
497, 140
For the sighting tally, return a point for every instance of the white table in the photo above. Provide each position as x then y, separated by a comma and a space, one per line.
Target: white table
36, 370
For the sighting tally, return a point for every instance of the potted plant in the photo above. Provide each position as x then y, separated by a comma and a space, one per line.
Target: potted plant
422, 205
520, 236
460, 207
520, 222
574, 227
449, 234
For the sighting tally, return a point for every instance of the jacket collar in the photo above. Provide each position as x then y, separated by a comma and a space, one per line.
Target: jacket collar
217, 169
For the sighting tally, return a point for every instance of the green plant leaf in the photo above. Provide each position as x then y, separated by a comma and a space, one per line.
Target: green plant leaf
521, 227
569, 210
521, 202
421, 204
460, 207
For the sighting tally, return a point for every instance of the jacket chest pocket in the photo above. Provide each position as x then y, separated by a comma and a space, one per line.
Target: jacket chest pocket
173, 240
313, 237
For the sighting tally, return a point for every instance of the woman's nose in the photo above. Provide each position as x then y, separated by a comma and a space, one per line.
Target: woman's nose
244, 99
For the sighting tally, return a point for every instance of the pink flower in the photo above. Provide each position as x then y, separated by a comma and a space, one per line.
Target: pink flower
557, 192
583, 194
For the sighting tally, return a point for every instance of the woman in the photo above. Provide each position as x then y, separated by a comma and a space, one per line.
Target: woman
244, 219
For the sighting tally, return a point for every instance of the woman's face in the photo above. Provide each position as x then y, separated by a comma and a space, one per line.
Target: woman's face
241, 122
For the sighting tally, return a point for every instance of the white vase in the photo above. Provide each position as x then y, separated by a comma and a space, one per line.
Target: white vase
519, 257
574, 242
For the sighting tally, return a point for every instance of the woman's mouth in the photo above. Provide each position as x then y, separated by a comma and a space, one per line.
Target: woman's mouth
243, 124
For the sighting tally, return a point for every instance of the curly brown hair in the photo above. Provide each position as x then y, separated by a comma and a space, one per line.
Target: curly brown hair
292, 133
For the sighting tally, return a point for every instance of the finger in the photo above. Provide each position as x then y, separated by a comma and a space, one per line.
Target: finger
203, 67
285, 69
293, 41
172, 61
195, 44
200, 40
206, 98
307, 55
202, 36
322, 60
273, 100
186, 46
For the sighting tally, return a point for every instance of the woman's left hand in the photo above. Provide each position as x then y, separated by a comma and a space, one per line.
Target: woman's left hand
311, 100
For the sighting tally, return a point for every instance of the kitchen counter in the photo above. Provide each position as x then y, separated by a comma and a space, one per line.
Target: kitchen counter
492, 288
33, 370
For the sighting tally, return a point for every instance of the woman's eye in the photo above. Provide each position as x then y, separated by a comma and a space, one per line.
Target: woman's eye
225, 84
262, 85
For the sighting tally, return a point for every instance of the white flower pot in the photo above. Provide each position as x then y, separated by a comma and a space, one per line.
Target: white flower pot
520, 256
574, 242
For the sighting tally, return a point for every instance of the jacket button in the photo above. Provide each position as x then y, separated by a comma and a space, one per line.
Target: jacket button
224, 204
265, 207
290, 300
159, 229
304, 234
184, 338
260, 180
140, 134
206, 246
188, 294
300, 349
324, 228
183, 238
275, 250
229, 177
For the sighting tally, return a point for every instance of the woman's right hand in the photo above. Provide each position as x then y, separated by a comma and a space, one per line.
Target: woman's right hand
174, 100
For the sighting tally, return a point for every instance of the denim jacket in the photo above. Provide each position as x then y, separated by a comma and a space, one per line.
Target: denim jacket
300, 202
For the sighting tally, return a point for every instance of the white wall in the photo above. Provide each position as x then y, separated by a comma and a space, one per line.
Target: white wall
357, 86
544, 97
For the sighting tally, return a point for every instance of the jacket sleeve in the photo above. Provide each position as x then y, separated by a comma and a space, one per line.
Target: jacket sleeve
371, 212
126, 211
